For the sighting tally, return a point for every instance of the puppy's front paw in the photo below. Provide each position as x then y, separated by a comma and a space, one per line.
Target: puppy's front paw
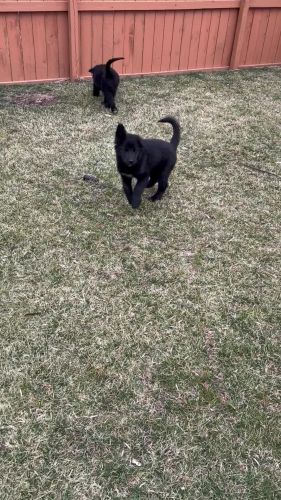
114, 110
154, 197
135, 203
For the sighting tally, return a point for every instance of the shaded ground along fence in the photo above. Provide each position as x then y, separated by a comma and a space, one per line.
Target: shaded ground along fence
53, 39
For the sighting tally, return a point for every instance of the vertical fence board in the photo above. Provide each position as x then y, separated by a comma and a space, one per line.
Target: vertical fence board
138, 42
107, 36
195, 37
5, 73
204, 36
221, 38
86, 60
13, 29
262, 34
40, 49
277, 58
73, 33
186, 40
27, 42
276, 38
247, 35
254, 40
231, 27
97, 31
118, 40
52, 45
63, 46
176, 41
158, 41
265, 55
166, 48
212, 40
239, 34
129, 34
149, 19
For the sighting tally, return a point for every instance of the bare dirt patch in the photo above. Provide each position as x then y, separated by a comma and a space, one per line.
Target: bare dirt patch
33, 99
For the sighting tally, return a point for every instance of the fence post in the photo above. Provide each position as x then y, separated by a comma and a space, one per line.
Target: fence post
73, 39
239, 34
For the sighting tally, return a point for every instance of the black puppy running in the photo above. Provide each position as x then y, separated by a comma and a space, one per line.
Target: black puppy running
150, 161
106, 79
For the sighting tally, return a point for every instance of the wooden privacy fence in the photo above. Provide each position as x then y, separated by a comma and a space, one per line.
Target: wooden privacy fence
58, 39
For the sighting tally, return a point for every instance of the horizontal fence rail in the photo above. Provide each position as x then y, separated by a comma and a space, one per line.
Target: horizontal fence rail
62, 39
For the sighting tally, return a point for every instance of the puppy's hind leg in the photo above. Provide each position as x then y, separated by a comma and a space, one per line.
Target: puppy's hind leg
109, 101
162, 186
96, 91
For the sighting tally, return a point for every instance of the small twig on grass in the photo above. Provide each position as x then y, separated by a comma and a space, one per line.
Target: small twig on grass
263, 171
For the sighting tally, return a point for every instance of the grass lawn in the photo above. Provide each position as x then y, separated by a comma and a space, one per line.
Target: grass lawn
140, 349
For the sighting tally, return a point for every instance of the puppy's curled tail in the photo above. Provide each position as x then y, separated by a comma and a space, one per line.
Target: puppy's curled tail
176, 129
110, 61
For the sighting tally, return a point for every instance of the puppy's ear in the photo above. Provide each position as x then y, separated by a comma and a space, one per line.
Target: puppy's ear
120, 135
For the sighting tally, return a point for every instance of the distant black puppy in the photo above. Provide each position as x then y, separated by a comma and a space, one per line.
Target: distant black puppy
106, 79
149, 161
